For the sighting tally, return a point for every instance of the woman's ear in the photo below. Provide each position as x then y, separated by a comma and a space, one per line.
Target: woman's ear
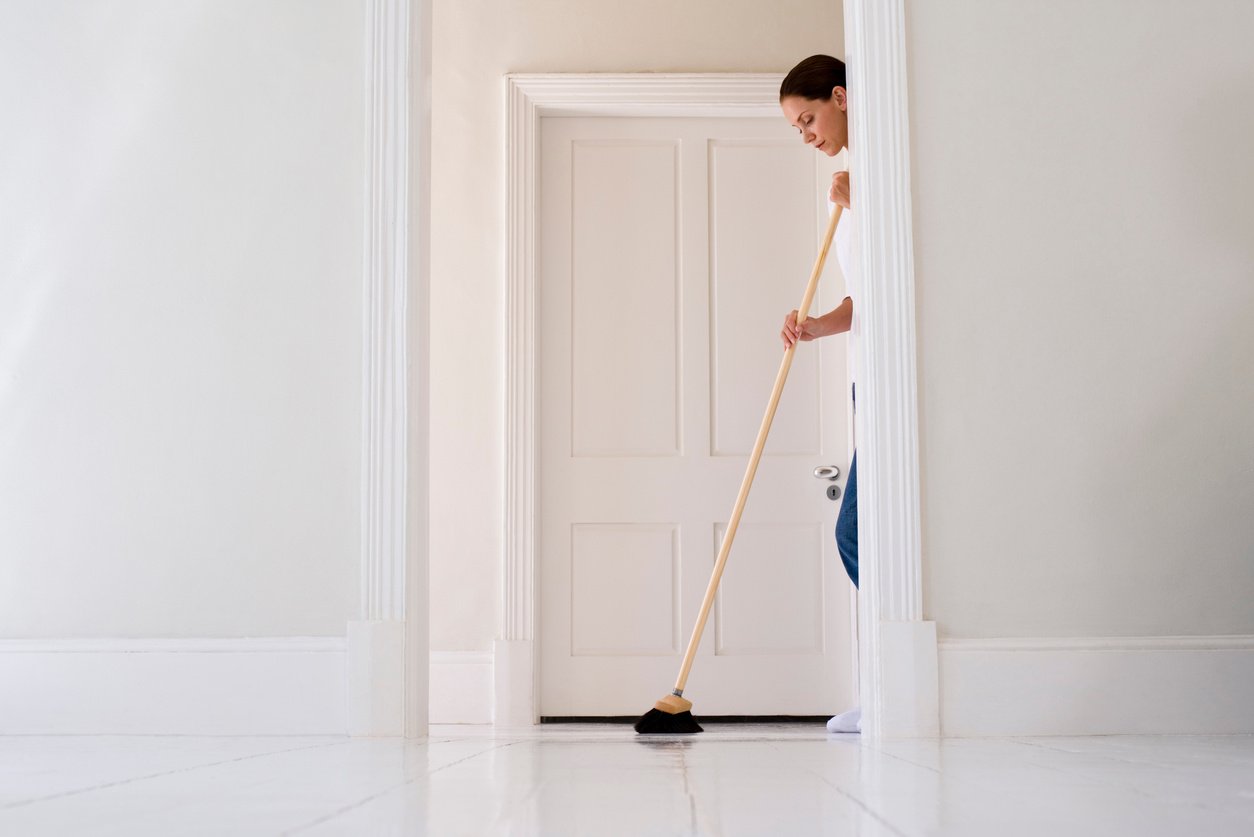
839, 96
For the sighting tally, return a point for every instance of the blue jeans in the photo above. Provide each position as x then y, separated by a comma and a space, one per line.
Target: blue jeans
847, 521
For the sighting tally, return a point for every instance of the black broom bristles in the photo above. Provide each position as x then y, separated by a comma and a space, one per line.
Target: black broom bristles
657, 722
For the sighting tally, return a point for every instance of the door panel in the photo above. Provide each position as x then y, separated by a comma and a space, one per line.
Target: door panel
624, 589
625, 260
753, 286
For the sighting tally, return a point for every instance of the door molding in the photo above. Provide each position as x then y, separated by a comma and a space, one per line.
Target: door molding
530, 97
388, 658
898, 660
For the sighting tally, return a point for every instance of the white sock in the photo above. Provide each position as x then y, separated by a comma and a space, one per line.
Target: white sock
850, 721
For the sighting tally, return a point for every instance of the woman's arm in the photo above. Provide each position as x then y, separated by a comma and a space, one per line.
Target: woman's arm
836, 321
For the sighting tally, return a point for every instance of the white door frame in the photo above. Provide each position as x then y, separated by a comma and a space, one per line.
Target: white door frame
531, 97
900, 695
388, 646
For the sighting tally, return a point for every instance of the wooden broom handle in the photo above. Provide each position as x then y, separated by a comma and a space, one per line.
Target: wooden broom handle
758, 445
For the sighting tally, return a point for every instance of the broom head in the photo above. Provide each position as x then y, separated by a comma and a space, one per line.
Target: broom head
672, 714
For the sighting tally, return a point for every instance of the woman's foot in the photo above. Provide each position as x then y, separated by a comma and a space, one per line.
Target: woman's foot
850, 721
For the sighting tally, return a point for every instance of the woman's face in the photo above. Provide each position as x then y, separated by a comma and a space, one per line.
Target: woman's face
823, 123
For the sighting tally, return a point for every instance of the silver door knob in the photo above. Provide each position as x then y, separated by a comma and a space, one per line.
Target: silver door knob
826, 472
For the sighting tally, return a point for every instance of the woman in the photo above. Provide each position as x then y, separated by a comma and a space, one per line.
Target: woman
813, 98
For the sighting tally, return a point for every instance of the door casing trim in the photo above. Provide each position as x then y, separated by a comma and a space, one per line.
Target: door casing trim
529, 97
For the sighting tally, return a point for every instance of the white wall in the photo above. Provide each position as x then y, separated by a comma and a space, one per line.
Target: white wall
180, 317
476, 43
1085, 272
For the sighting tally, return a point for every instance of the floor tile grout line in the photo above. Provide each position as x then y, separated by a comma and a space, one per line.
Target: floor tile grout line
1124, 755
386, 791
502, 818
904, 760
1093, 754
1132, 789
76, 791
866, 809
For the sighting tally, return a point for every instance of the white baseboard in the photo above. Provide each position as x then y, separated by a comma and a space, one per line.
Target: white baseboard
271, 686
514, 702
1097, 686
376, 678
909, 700
461, 687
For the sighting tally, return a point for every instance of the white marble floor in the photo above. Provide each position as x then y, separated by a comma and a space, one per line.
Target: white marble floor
606, 780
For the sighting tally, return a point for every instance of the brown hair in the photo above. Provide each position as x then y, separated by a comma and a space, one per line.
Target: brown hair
814, 78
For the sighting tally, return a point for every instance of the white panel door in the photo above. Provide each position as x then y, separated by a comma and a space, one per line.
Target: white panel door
670, 250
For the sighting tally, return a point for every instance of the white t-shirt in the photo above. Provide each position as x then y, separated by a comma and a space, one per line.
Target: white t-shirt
849, 268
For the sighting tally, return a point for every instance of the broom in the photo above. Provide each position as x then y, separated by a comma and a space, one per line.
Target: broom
673, 713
